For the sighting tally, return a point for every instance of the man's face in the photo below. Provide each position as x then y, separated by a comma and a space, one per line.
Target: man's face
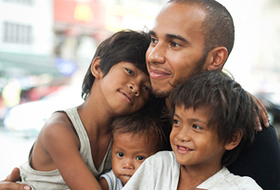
176, 49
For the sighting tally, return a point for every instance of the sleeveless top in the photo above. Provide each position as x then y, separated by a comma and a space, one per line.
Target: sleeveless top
53, 179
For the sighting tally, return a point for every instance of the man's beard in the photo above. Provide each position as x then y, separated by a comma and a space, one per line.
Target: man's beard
198, 69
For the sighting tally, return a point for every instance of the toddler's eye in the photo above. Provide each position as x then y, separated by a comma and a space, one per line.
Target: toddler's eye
139, 158
120, 154
130, 71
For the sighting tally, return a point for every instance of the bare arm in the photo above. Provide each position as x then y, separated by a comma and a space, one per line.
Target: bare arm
103, 183
61, 143
9, 182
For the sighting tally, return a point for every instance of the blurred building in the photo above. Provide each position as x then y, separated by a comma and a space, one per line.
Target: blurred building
26, 38
55, 39
80, 25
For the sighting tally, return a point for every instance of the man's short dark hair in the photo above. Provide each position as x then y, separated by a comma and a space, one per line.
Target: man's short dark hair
218, 24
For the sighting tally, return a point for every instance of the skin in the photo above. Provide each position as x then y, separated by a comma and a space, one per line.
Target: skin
124, 90
174, 54
132, 86
165, 55
176, 51
196, 146
128, 152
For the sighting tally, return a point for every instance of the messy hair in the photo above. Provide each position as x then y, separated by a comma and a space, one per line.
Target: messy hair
232, 108
126, 45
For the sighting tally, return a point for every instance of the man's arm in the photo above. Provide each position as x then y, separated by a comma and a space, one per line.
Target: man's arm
10, 182
262, 114
261, 161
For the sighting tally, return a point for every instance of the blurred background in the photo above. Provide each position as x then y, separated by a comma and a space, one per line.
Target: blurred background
46, 47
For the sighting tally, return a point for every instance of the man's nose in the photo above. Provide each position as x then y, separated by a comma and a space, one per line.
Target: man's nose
156, 54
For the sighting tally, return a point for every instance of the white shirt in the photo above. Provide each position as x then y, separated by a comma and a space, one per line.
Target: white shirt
113, 182
161, 172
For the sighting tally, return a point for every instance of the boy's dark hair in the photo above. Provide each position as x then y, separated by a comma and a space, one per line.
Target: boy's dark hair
218, 25
149, 121
231, 106
125, 45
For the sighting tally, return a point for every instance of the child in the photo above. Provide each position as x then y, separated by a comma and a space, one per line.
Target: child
212, 123
74, 147
135, 137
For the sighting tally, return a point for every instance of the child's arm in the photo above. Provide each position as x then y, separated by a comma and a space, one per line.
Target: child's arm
103, 183
62, 144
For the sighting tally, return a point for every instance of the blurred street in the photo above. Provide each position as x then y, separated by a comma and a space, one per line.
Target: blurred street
14, 148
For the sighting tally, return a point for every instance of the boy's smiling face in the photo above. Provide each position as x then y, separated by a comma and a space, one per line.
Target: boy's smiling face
125, 88
129, 152
194, 143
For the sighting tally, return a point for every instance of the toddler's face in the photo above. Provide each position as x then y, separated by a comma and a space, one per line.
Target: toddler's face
128, 153
125, 88
192, 140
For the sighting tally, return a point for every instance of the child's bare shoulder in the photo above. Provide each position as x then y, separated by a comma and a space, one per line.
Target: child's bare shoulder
58, 127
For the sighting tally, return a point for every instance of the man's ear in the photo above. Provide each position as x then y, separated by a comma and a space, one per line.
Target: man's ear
235, 140
217, 58
95, 68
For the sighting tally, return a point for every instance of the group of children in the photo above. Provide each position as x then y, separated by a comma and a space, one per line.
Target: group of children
121, 124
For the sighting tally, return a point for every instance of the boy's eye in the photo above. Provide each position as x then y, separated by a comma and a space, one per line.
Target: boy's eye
120, 154
147, 88
175, 122
140, 158
130, 71
196, 126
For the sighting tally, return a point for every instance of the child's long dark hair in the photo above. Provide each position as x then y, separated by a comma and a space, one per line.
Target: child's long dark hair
126, 45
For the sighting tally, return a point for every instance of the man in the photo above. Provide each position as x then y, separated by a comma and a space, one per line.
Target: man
191, 36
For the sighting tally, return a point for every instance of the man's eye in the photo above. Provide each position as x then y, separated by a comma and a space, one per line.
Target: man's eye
153, 40
174, 44
130, 71
140, 158
120, 154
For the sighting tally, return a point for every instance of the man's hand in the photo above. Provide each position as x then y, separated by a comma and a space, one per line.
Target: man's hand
262, 114
9, 182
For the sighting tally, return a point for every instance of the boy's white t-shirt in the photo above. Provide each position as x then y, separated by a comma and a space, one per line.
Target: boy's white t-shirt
161, 172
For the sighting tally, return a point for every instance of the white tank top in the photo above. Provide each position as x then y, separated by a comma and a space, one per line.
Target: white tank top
53, 179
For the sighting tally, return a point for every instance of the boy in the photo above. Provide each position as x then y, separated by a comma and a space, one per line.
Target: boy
212, 123
74, 147
135, 137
